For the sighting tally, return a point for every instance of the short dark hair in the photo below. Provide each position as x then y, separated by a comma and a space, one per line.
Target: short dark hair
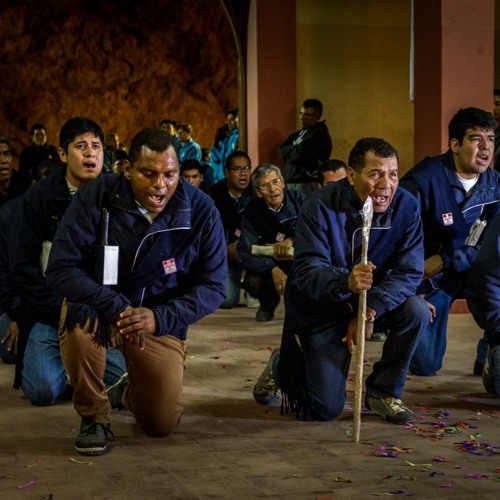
77, 126
37, 126
233, 112
168, 122
380, 148
313, 103
236, 154
153, 138
186, 127
466, 118
4, 140
330, 166
191, 164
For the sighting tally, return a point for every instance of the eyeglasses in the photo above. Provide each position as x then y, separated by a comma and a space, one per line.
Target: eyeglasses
244, 168
269, 185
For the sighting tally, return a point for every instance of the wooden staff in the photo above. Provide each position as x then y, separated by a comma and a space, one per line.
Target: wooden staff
366, 214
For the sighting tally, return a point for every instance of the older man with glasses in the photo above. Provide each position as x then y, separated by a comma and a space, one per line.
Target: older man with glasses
268, 220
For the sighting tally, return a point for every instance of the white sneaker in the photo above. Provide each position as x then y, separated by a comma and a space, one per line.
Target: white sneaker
252, 302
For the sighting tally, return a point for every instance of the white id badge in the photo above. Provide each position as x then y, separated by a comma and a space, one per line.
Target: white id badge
475, 232
107, 264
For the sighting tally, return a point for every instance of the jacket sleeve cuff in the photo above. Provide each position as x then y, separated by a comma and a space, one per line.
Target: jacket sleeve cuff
446, 260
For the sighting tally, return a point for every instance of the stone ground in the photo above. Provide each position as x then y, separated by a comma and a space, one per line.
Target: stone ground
227, 446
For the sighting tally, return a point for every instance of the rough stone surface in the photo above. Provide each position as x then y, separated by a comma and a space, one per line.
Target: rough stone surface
125, 63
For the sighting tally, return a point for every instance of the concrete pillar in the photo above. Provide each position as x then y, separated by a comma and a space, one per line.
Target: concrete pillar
270, 78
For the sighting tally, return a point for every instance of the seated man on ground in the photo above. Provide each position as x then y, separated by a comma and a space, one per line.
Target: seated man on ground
331, 171
322, 292
192, 171
269, 220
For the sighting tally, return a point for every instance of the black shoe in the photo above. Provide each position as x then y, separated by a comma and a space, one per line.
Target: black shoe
263, 315
115, 392
92, 438
478, 369
9, 358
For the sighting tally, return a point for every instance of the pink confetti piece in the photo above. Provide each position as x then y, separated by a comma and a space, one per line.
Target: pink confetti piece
445, 485
21, 486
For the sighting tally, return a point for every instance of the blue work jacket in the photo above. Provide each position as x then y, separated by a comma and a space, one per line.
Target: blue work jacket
175, 266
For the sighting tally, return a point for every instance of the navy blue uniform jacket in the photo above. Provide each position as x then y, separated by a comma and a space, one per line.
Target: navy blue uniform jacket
175, 266
327, 246
448, 213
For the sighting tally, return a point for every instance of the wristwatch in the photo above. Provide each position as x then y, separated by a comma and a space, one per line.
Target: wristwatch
369, 318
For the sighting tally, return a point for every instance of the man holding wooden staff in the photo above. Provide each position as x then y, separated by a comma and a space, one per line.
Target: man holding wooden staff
322, 292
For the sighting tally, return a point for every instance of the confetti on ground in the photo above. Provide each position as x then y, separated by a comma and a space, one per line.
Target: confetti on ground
445, 485
340, 479
477, 476
85, 462
478, 448
21, 486
388, 450
417, 465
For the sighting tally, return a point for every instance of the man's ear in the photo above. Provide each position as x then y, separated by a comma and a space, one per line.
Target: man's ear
127, 170
351, 174
62, 155
454, 145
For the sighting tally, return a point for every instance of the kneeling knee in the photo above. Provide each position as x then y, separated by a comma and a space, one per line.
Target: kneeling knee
162, 427
326, 412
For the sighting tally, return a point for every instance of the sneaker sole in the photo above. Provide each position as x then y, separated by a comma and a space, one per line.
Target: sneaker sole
391, 421
91, 452
266, 400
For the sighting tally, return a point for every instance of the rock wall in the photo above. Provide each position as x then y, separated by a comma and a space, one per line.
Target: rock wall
127, 64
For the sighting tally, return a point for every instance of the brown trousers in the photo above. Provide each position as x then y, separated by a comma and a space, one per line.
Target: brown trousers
154, 392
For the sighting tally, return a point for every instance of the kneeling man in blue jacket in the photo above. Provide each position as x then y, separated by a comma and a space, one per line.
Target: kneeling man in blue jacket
139, 256
322, 291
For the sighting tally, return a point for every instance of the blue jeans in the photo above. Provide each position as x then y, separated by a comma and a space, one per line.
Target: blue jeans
233, 285
44, 375
429, 354
327, 359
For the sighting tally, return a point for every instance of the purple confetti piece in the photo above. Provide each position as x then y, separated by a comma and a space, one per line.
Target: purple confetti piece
21, 486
